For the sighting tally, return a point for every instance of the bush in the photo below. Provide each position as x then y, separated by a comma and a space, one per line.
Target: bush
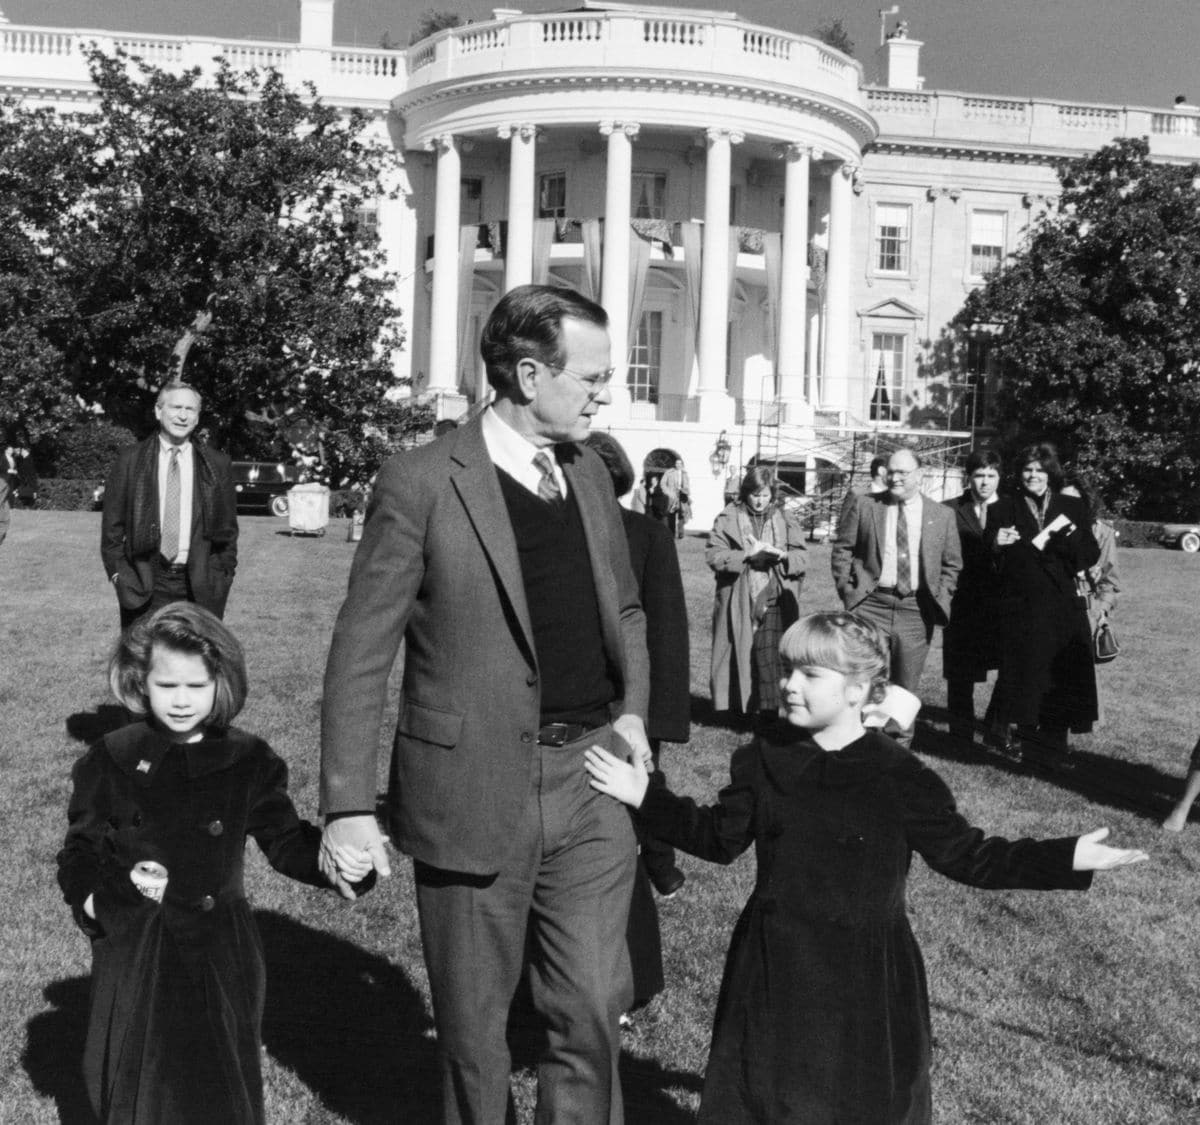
64, 495
347, 501
1138, 533
88, 450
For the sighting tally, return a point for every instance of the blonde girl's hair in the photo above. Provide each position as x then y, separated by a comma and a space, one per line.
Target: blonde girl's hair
842, 641
186, 628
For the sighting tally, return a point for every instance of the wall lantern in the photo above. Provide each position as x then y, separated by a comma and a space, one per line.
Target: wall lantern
719, 457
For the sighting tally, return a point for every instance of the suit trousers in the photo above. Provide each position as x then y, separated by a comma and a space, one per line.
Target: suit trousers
907, 631
567, 882
170, 585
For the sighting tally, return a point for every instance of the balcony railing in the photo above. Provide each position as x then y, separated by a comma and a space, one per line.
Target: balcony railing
972, 118
50, 57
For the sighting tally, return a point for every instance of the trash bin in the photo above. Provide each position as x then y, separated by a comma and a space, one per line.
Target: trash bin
308, 509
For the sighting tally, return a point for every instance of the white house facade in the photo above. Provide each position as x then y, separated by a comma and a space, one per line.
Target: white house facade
780, 238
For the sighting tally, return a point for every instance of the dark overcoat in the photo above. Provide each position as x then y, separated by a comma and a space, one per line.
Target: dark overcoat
1047, 674
971, 639
130, 533
177, 988
823, 1014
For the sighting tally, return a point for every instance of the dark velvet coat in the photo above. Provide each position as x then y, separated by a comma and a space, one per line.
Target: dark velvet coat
823, 1015
130, 533
177, 987
971, 639
1047, 674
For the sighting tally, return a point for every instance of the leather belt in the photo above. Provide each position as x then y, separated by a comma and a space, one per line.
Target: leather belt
170, 567
893, 591
559, 734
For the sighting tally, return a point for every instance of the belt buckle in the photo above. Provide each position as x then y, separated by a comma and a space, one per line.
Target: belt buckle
554, 734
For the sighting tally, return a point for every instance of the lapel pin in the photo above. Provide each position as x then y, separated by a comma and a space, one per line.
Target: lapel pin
143, 766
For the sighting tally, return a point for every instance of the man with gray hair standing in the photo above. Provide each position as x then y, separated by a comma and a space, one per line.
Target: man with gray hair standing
169, 530
896, 559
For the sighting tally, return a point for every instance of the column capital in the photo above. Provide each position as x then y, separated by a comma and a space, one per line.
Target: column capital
440, 143
954, 194
793, 151
629, 128
733, 136
849, 170
526, 130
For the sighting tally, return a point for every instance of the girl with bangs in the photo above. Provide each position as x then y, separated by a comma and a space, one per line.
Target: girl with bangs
823, 1013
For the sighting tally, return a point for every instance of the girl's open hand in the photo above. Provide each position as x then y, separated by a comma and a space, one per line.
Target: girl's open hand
1091, 855
626, 782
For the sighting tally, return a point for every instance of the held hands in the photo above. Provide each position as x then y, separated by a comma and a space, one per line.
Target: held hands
1091, 855
350, 847
762, 555
625, 781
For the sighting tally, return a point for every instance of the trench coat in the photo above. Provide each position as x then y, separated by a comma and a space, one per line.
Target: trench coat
823, 1013
178, 987
971, 638
733, 677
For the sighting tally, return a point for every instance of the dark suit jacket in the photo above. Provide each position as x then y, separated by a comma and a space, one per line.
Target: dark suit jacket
130, 533
655, 565
857, 556
438, 567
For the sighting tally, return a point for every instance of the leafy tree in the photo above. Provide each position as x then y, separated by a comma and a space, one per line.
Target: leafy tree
834, 35
431, 22
217, 229
1095, 322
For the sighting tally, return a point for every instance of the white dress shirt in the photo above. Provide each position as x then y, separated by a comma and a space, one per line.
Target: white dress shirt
514, 453
187, 477
912, 516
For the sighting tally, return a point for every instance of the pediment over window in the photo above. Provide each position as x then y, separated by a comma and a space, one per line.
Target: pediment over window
894, 309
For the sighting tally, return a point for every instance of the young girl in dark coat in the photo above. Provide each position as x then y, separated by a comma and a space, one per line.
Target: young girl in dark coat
177, 972
823, 1014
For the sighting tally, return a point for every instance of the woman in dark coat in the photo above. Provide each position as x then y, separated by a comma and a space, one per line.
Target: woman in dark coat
823, 1013
756, 551
971, 639
655, 565
1047, 682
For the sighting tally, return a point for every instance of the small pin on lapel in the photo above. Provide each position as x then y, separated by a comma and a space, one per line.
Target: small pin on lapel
143, 766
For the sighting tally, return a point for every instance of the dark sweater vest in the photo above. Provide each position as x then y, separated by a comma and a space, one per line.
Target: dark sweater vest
560, 590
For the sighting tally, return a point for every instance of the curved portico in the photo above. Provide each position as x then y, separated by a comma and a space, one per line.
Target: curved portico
613, 101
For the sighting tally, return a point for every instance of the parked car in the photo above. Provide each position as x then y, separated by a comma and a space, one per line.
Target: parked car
1185, 536
259, 485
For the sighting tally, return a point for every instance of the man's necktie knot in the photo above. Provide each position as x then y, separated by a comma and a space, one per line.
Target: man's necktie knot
548, 486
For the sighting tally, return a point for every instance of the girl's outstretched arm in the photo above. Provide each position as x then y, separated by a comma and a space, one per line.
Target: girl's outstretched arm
1091, 855
626, 782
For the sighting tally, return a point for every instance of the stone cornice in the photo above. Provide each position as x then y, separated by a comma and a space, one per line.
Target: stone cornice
854, 119
945, 149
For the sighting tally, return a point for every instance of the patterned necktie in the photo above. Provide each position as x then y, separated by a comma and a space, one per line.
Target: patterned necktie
903, 562
169, 547
548, 485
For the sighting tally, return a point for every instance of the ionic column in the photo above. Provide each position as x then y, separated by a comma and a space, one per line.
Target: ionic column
835, 375
793, 282
518, 249
715, 264
443, 310
614, 283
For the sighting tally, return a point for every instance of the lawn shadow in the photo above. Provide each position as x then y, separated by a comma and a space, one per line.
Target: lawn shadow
702, 714
349, 1023
53, 1055
1129, 786
91, 726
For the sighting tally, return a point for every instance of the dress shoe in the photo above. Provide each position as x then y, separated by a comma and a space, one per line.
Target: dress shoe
668, 881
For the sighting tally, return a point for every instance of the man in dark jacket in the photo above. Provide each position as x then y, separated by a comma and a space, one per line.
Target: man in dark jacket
169, 530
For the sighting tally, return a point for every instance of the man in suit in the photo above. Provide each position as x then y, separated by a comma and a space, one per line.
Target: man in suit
896, 559
497, 554
169, 529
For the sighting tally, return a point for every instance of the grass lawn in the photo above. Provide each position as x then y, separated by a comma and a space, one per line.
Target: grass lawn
1047, 1008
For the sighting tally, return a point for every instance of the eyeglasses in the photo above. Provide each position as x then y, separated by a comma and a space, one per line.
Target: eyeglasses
593, 382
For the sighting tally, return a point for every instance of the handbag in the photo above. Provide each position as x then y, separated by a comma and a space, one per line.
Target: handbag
1105, 646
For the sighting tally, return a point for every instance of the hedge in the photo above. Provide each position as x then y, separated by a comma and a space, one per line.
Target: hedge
67, 495
1138, 533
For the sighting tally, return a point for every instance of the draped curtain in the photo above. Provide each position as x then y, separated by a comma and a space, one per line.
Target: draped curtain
773, 263
543, 239
468, 237
639, 266
690, 236
592, 232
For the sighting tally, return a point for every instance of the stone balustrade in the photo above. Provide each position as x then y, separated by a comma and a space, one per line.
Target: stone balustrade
946, 116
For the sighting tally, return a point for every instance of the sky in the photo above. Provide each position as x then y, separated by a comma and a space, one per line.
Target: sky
1122, 52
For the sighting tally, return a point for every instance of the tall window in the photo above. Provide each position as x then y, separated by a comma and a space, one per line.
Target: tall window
552, 195
987, 242
887, 368
645, 359
365, 221
979, 365
470, 202
649, 195
892, 226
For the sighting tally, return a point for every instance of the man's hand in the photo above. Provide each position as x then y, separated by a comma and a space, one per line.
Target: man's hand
349, 836
633, 730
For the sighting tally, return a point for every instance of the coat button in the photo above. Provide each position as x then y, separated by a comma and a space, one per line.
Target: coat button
531, 679
526, 736
207, 903
215, 828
